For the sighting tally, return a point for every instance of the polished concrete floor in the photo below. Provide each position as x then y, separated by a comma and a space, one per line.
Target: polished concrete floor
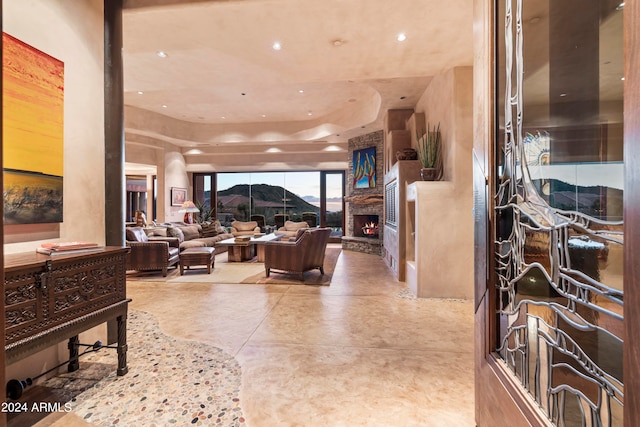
359, 352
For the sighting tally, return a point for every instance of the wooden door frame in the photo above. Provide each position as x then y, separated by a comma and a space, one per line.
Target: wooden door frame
500, 399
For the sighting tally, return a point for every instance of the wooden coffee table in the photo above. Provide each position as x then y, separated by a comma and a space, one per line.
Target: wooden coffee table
245, 251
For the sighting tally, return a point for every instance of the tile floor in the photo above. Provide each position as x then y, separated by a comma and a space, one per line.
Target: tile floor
360, 352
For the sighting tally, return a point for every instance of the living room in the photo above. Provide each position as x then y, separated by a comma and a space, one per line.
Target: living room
172, 147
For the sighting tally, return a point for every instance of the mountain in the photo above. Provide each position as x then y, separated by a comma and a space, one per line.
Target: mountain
268, 196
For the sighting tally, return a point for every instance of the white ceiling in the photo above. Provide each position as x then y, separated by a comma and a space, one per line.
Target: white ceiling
223, 83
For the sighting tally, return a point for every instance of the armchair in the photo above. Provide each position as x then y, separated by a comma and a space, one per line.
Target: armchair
290, 229
260, 219
310, 218
240, 228
303, 254
147, 254
280, 219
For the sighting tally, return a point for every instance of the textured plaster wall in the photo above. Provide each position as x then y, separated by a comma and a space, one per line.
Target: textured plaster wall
73, 33
444, 221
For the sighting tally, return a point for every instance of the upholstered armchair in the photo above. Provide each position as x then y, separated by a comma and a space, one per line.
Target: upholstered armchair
290, 229
310, 218
240, 228
260, 220
147, 254
280, 219
303, 254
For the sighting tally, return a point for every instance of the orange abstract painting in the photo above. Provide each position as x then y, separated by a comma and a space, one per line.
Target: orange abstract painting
33, 133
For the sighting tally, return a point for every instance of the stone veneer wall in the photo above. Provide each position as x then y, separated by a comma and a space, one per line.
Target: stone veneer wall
365, 244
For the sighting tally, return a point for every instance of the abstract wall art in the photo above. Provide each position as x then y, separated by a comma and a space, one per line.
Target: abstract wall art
33, 133
364, 168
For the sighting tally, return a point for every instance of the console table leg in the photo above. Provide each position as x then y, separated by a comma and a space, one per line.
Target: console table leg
74, 351
122, 345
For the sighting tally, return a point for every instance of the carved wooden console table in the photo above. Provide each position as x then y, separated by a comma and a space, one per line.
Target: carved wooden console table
52, 298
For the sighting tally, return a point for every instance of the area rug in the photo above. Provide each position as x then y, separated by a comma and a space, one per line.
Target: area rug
252, 272
170, 382
312, 277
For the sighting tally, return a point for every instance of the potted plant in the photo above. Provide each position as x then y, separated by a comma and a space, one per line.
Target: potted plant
430, 153
206, 213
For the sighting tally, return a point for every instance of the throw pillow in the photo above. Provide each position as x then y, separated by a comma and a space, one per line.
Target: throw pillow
209, 230
175, 232
219, 228
190, 232
136, 234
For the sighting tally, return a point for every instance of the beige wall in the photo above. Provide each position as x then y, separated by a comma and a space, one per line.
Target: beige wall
73, 33
443, 230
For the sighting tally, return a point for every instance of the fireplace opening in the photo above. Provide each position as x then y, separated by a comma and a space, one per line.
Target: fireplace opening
365, 226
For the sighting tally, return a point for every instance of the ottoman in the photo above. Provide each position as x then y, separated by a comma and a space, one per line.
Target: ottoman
203, 256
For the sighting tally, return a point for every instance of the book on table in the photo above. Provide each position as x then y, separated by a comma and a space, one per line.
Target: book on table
62, 248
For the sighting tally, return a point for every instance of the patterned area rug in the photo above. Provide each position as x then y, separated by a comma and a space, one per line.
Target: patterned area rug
170, 382
251, 272
312, 277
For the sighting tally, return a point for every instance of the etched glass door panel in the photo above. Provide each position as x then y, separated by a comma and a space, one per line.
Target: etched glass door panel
558, 236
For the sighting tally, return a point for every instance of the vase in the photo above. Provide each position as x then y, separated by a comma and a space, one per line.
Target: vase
406, 154
429, 174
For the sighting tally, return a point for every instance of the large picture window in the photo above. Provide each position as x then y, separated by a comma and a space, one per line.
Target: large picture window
274, 197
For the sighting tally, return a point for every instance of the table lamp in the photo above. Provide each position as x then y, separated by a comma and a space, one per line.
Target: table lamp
188, 208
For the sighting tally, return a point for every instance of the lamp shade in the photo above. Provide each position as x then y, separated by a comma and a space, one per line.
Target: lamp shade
188, 206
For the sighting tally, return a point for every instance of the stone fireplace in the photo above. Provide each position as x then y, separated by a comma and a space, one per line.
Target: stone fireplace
364, 206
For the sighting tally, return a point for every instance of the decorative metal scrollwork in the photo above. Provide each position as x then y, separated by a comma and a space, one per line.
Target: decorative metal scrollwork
560, 319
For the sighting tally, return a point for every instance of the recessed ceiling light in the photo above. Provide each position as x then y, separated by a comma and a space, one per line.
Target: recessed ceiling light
276, 46
301, 91
620, 6
401, 37
563, 94
164, 105
309, 113
223, 117
337, 42
162, 54
621, 78
264, 115
140, 92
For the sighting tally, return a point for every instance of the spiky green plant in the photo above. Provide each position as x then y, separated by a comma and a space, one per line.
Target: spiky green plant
430, 147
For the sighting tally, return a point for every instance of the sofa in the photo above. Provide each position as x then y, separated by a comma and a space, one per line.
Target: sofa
305, 253
290, 229
190, 235
158, 246
241, 228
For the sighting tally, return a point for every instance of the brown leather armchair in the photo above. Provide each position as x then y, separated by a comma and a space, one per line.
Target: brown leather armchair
303, 254
151, 254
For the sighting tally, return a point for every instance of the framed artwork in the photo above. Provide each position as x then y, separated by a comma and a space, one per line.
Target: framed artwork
178, 196
364, 168
33, 122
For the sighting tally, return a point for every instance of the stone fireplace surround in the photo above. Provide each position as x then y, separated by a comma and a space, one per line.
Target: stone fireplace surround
365, 201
